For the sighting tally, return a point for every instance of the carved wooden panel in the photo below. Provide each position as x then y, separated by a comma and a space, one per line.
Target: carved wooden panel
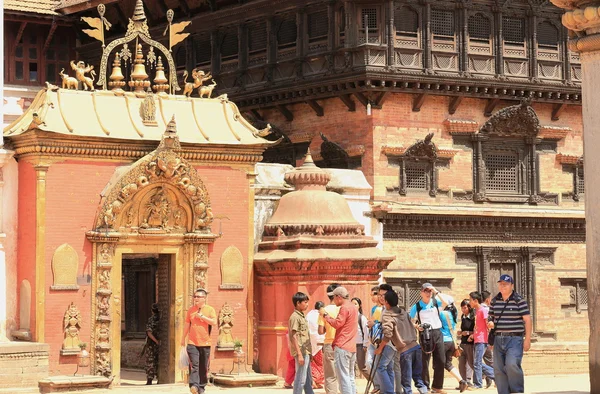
409, 59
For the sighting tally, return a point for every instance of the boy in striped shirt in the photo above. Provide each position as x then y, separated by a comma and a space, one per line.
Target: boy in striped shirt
509, 315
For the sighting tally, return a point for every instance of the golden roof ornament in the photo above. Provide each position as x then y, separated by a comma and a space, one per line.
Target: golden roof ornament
138, 32
160, 80
116, 78
139, 78
170, 139
148, 110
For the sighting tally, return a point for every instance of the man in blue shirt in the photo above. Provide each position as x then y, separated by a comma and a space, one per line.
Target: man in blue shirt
427, 311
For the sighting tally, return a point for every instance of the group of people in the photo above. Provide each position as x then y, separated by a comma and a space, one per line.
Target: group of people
394, 347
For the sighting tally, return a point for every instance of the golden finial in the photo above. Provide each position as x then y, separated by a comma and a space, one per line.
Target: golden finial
170, 139
139, 77
116, 77
160, 81
171, 127
139, 14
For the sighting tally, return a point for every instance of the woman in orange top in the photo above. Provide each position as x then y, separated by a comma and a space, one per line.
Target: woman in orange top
198, 321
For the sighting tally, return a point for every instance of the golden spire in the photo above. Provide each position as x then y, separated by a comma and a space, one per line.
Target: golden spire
139, 76
160, 81
170, 140
139, 14
116, 77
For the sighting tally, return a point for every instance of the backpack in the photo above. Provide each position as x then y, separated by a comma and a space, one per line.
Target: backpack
376, 333
425, 337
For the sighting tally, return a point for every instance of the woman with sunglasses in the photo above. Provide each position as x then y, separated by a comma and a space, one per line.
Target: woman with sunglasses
198, 323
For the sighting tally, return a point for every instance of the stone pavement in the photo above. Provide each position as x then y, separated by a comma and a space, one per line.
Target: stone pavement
538, 384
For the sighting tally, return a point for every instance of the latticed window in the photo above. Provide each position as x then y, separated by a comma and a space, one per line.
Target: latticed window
547, 36
479, 28
368, 19
229, 45
578, 293
287, 33
501, 173
442, 24
416, 176
203, 50
342, 14
318, 26
257, 38
581, 181
406, 22
409, 290
513, 30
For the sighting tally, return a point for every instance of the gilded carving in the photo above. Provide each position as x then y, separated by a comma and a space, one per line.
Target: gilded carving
199, 78
148, 110
225, 339
71, 326
103, 367
103, 308
177, 199
207, 90
104, 282
80, 70
64, 268
67, 81
201, 256
103, 337
200, 278
105, 253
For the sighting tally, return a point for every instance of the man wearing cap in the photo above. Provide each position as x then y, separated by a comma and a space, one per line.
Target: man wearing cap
331, 383
509, 315
198, 321
344, 345
427, 311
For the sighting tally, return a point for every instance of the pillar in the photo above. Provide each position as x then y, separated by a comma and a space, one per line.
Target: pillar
7, 275
40, 255
582, 16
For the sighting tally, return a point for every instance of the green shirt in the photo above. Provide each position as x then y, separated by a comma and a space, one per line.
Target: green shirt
299, 324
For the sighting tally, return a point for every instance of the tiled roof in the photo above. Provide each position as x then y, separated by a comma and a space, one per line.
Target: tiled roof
45, 7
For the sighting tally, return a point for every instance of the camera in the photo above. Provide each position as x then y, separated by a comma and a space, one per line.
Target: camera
426, 331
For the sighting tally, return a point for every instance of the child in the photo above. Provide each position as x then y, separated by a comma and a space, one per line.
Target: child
398, 328
300, 344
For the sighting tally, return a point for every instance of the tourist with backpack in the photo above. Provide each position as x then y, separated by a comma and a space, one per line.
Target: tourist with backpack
375, 335
451, 343
426, 318
362, 338
399, 330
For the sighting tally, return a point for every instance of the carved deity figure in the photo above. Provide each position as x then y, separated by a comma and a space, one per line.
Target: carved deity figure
103, 336
103, 307
72, 325
105, 253
199, 77
104, 279
225, 338
80, 70
200, 278
158, 210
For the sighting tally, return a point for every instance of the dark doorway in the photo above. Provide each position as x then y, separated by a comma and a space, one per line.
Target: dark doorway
146, 279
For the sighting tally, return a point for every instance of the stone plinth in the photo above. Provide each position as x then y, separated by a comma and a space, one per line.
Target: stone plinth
23, 364
245, 380
64, 383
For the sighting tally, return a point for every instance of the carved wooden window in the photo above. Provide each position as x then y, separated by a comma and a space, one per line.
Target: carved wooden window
547, 36
442, 25
229, 45
406, 22
501, 172
480, 29
341, 14
318, 26
580, 181
369, 18
417, 177
287, 33
257, 38
203, 50
578, 293
57, 55
409, 289
513, 31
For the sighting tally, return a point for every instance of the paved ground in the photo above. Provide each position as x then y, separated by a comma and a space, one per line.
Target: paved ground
539, 384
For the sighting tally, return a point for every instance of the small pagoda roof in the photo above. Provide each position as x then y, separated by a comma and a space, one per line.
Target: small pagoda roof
106, 115
45, 7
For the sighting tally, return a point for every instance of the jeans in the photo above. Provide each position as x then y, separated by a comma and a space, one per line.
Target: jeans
369, 364
439, 359
508, 353
199, 356
303, 378
412, 368
479, 366
331, 383
344, 370
397, 373
385, 370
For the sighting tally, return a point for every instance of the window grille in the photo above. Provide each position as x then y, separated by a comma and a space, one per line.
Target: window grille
342, 14
257, 37
287, 33
547, 35
416, 176
371, 14
442, 24
318, 26
479, 28
203, 50
229, 45
582, 296
513, 30
406, 22
581, 183
501, 172
181, 56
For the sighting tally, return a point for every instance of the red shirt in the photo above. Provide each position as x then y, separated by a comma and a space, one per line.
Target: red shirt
346, 327
198, 335
481, 331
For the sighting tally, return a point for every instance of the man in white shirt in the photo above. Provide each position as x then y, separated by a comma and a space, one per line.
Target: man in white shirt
427, 311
